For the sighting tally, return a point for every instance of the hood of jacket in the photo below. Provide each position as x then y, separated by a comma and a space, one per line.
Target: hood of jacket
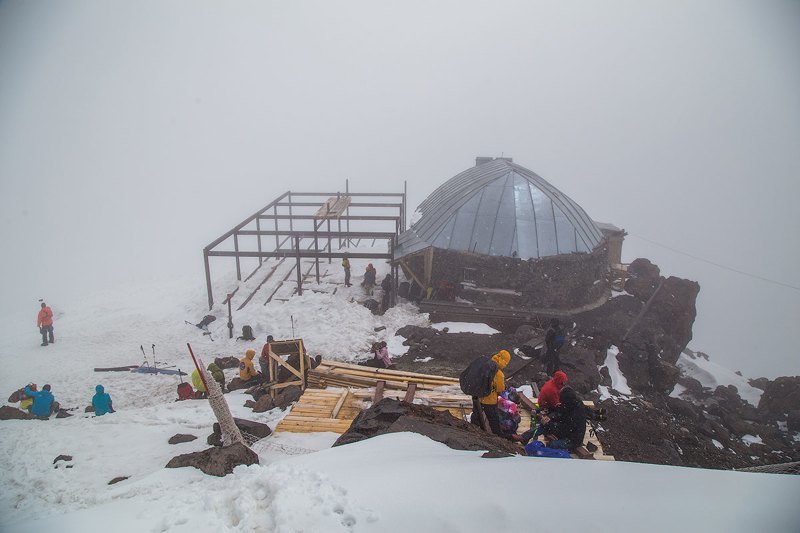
560, 379
569, 396
99, 389
250, 354
501, 358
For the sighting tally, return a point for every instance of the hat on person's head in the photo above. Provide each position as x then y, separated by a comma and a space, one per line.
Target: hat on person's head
44, 304
553, 321
46, 387
250, 353
569, 396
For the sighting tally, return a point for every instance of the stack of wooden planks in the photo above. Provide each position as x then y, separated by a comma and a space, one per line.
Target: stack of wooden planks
322, 410
335, 374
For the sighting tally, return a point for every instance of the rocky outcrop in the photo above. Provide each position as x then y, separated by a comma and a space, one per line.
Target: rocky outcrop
650, 345
780, 396
217, 461
392, 416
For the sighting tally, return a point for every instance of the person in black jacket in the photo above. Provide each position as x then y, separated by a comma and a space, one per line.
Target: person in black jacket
553, 339
568, 422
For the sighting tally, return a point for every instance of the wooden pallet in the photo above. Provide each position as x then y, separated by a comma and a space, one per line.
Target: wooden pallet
336, 374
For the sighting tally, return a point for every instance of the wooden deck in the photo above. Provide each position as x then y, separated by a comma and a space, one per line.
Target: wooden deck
333, 408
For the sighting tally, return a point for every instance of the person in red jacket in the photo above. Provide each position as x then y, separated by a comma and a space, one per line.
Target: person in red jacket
45, 324
550, 395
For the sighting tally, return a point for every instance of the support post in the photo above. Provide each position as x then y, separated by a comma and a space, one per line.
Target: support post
347, 192
316, 252
299, 272
404, 215
291, 226
230, 318
275, 212
236, 248
329, 241
208, 280
258, 228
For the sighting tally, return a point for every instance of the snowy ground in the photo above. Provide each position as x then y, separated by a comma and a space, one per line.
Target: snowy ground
370, 486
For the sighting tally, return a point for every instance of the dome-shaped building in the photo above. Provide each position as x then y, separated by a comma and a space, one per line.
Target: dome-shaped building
505, 236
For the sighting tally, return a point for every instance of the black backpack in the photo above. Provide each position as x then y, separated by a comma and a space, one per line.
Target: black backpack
247, 334
476, 379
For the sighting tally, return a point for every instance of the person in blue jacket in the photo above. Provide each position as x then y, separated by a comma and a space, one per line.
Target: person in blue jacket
42, 401
101, 401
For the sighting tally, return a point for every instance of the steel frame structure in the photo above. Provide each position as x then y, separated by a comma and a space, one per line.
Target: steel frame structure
298, 233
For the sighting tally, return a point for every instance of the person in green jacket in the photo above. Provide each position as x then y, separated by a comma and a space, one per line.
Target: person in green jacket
217, 374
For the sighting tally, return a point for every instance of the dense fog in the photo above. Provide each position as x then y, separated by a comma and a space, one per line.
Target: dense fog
132, 134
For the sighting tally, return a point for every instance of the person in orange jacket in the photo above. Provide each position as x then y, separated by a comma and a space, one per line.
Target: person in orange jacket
45, 324
247, 371
489, 402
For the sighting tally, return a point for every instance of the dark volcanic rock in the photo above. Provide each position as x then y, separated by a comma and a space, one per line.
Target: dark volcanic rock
781, 396
641, 288
226, 362
62, 458
89, 409
579, 365
256, 429
118, 479
181, 437
12, 413
62, 413
643, 268
389, 416
264, 404
236, 384
249, 404
759, 383
793, 420
287, 396
217, 461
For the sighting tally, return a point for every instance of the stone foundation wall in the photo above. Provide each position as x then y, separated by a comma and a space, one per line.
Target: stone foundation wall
558, 282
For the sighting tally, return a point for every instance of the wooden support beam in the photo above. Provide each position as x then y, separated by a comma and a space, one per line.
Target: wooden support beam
378, 391
526, 402
208, 280
409, 397
339, 404
428, 267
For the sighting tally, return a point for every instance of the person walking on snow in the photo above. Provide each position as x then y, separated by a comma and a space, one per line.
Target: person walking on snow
101, 401
369, 278
346, 267
45, 324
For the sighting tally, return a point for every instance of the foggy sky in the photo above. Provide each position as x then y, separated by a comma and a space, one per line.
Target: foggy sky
132, 134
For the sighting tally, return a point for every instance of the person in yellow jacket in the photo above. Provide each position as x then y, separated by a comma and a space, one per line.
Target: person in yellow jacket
489, 402
197, 381
247, 371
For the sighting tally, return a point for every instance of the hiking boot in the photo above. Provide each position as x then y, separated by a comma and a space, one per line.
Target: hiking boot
44, 344
516, 438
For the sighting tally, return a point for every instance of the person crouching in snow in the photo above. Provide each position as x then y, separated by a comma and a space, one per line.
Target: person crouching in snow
101, 401
217, 374
43, 401
550, 395
247, 371
382, 354
199, 386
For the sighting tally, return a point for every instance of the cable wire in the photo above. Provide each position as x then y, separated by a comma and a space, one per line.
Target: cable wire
718, 265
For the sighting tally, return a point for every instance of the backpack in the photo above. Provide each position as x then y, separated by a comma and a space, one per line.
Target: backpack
247, 334
185, 392
476, 379
537, 448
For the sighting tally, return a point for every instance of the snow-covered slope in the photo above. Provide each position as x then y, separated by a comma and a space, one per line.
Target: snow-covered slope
406, 482
392, 483
712, 375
